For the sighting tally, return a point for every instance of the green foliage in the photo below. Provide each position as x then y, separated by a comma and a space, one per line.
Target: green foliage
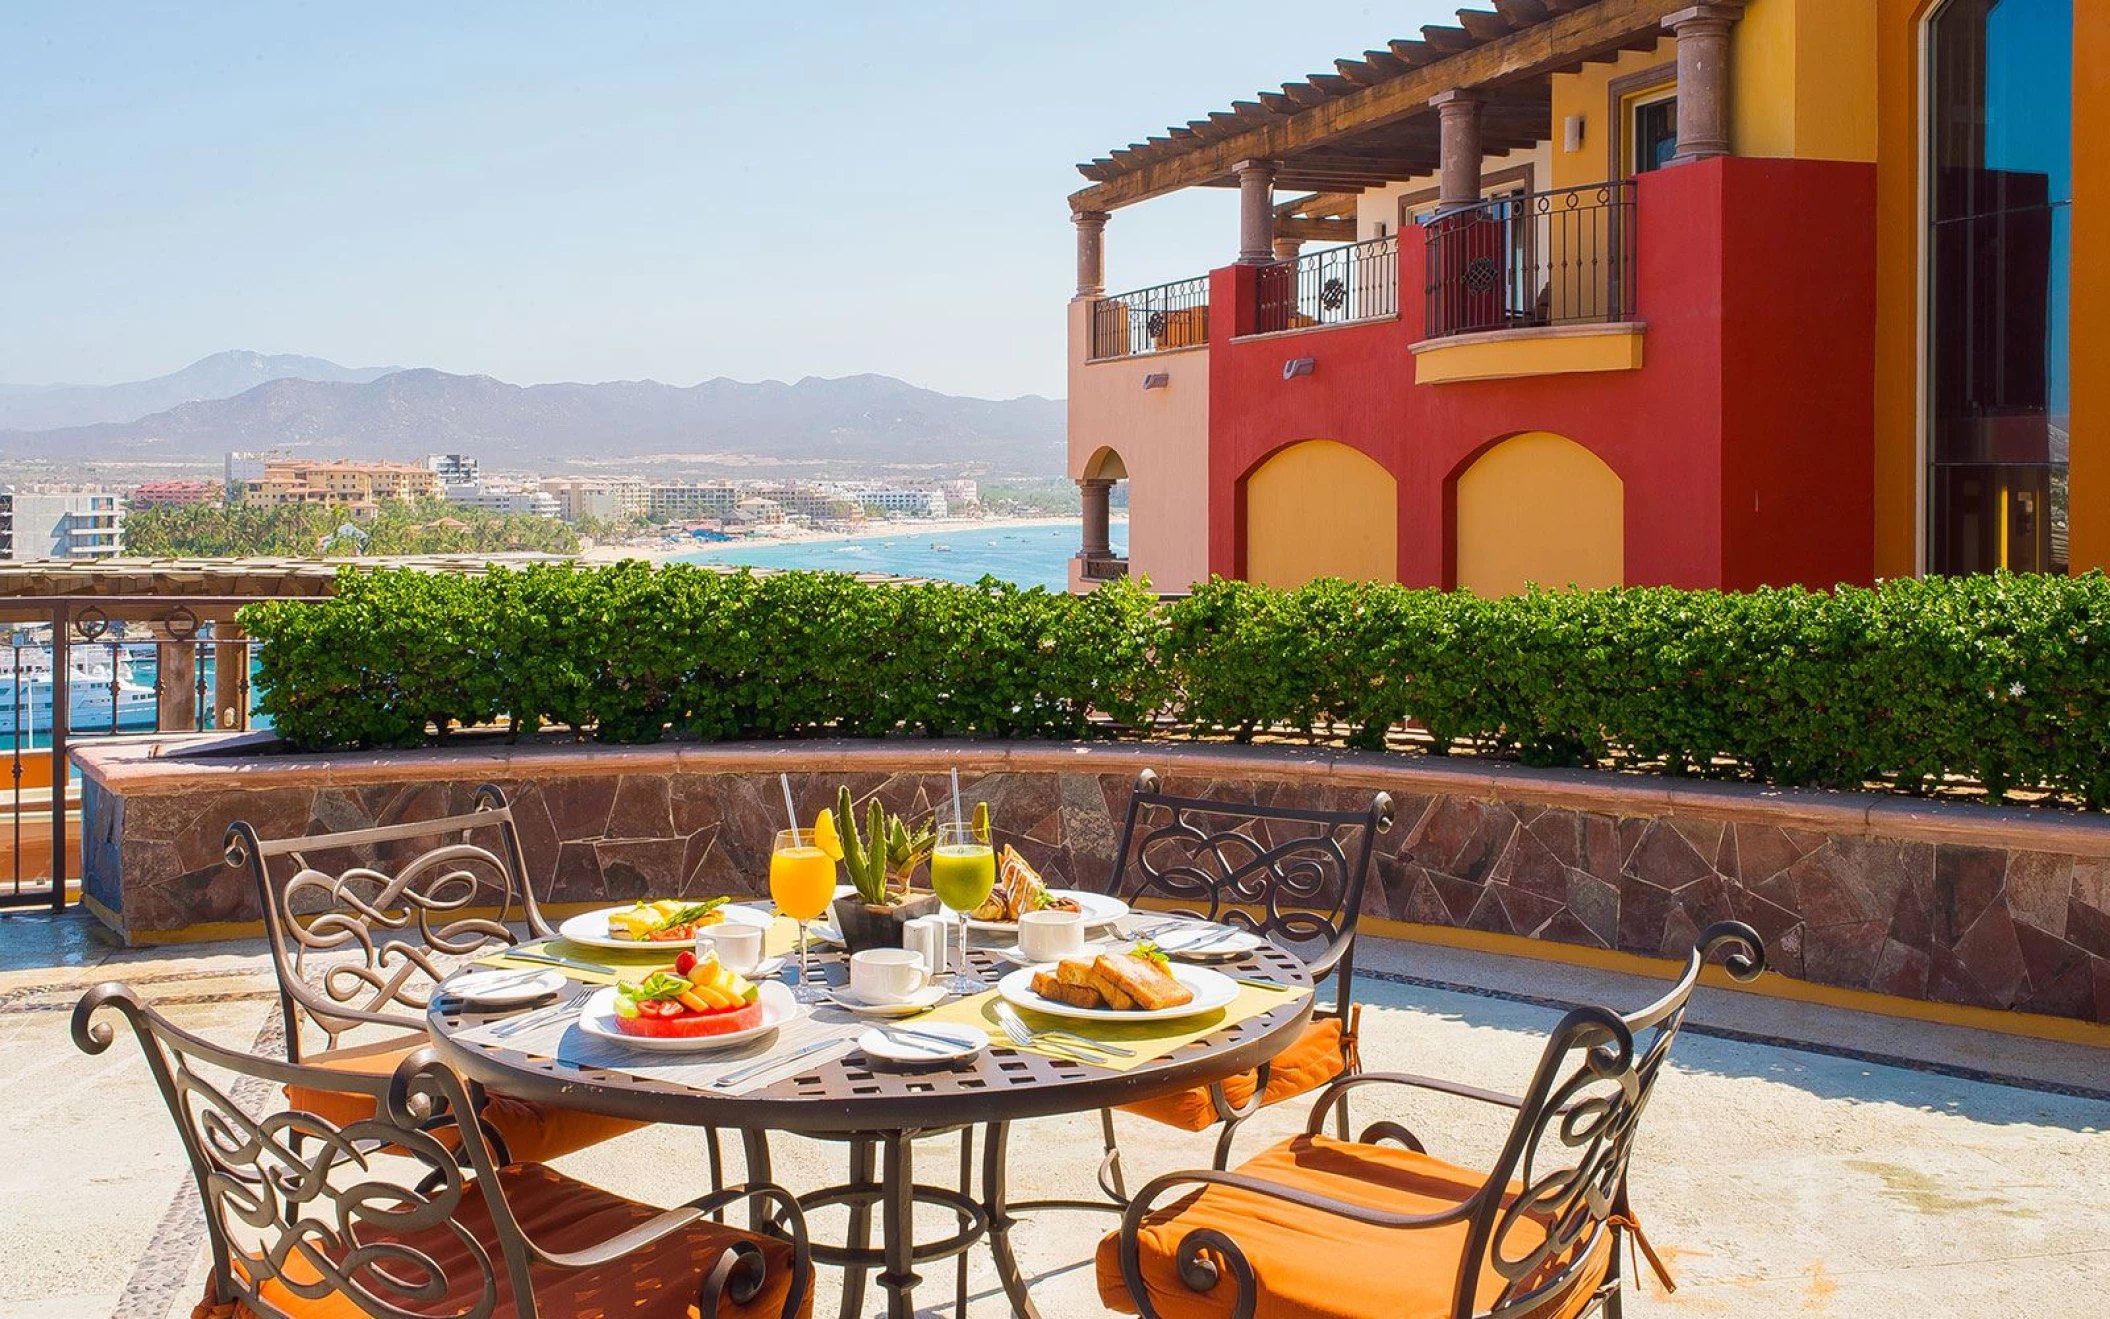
299, 530
2000, 679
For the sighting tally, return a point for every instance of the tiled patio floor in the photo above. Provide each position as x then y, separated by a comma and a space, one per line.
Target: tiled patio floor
1798, 1160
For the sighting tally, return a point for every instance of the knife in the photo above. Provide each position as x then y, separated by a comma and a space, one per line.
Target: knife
548, 959
754, 1069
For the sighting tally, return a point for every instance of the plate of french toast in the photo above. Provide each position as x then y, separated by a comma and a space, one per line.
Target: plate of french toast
1020, 889
1137, 984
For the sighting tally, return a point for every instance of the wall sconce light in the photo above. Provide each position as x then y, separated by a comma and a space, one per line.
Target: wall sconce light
1298, 366
1157, 380
1572, 133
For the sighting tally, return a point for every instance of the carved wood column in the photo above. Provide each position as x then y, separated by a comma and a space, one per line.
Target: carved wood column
1286, 249
1256, 211
1458, 118
230, 677
1703, 77
1091, 252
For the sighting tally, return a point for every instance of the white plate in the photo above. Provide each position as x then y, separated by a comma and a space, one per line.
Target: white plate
598, 1018
911, 1049
1099, 909
1092, 948
1208, 943
1211, 991
590, 929
922, 1000
504, 987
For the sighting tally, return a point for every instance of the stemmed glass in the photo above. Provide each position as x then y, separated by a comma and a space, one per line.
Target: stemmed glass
962, 872
802, 884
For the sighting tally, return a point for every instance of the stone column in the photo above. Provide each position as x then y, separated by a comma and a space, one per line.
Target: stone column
1458, 116
1286, 249
1098, 523
1091, 252
1703, 77
1256, 211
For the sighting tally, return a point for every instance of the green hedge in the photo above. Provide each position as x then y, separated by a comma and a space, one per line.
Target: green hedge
2000, 679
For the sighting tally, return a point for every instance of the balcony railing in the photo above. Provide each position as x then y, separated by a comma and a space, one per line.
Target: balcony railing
1564, 257
1152, 320
1102, 567
1354, 282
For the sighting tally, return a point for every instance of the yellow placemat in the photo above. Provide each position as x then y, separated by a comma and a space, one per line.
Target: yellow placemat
1151, 1040
779, 940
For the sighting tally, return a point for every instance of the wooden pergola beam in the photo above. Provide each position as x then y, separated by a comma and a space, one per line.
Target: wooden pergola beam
1314, 229
1534, 52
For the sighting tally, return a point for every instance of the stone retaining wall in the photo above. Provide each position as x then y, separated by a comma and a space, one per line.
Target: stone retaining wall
1956, 903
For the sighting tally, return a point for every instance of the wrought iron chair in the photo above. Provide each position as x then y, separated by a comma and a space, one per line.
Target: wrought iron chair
1536, 1236
301, 1218
1299, 882
365, 947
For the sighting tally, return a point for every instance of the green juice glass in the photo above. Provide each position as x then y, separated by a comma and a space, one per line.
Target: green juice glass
962, 872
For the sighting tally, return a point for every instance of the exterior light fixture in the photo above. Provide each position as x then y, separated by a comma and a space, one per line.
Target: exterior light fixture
1298, 366
1572, 134
1157, 380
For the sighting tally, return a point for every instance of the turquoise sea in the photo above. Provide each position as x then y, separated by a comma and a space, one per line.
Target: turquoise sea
1035, 555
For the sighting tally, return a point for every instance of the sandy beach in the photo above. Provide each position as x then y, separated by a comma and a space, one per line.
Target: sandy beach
661, 548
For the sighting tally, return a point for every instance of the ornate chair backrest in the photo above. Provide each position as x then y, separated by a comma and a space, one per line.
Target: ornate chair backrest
1568, 1148
366, 944
1292, 874
312, 1208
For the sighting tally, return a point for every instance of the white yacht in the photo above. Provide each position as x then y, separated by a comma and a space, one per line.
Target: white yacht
96, 687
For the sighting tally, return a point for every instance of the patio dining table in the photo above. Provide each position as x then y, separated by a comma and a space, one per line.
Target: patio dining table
880, 1113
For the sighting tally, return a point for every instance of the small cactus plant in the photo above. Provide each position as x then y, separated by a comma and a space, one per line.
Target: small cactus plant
884, 848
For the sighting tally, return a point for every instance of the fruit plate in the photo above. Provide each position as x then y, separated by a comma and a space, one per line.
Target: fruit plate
590, 929
1099, 910
598, 1018
1211, 991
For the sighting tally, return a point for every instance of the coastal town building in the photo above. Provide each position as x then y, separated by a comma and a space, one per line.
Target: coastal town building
150, 494
691, 502
503, 499
56, 522
1596, 292
357, 487
611, 499
920, 503
454, 468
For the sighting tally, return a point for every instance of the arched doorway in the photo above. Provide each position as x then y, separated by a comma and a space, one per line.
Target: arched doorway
1539, 508
1320, 509
1096, 558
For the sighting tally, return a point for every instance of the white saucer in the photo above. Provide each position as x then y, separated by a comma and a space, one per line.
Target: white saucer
908, 1046
764, 969
505, 986
922, 1000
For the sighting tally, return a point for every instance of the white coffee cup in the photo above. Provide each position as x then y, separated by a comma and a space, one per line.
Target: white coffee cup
887, 975
738, 946
1050, 936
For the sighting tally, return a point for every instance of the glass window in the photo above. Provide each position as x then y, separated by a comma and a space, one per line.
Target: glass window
2000, 194
1655, 135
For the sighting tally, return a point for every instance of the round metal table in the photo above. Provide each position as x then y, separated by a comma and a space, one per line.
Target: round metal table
880, 1113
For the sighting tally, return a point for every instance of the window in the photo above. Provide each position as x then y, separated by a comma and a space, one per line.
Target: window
1999, 124
1653, 130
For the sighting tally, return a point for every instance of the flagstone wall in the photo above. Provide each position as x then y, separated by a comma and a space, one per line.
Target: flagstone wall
1957, 903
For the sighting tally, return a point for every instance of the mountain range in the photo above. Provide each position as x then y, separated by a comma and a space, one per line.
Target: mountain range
319, 409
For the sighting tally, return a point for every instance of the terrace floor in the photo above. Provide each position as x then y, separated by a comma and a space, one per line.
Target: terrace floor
1798, 1160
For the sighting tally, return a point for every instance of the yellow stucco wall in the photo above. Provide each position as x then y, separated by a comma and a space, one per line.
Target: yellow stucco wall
1588, 93
1321, 509
1803, 79
1542, 509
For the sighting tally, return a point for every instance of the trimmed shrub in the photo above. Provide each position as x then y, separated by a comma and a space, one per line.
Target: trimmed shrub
2000, 679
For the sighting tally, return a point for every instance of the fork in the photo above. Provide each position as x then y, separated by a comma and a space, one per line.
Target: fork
1027, 1038
540, 1017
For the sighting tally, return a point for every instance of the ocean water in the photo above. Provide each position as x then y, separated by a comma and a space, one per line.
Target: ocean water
1028, 555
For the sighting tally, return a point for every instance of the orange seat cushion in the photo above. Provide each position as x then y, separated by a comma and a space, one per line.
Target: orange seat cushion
1303, 1067
533, 1133
1310, 1264
559, 1214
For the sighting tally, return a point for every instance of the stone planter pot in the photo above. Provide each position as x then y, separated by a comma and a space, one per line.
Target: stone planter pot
864, 926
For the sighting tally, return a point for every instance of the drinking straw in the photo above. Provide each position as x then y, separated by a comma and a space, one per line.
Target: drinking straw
790, 810
957, 818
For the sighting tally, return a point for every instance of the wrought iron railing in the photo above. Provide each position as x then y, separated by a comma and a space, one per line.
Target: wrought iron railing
1152, 320
1564, 257
1353, 282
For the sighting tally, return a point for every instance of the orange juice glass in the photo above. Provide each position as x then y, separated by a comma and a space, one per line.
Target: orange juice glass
802, 884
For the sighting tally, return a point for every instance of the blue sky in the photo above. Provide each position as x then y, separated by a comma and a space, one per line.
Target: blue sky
553, 192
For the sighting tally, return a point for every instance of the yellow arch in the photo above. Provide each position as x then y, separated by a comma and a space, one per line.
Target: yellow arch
1105, 465
1540, 508
1321, 509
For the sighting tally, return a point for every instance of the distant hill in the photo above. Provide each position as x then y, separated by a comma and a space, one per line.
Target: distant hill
223, 375
864, 421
